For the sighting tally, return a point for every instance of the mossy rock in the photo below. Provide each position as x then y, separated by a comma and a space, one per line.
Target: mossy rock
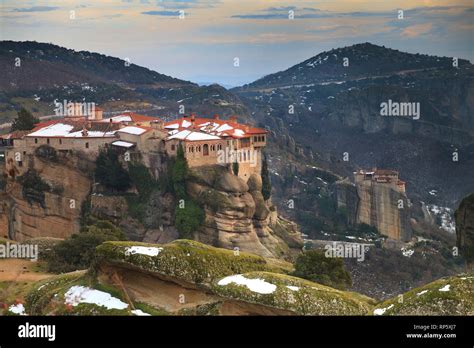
446, 296
39, 299
186, 260
297, 295
47, 297
206, 175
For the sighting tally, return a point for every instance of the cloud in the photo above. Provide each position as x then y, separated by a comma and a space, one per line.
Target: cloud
36, 9
163, 13
307, 12
417, 30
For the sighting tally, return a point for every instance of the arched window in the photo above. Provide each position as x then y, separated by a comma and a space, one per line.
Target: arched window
198, 148
87, 145
205, 150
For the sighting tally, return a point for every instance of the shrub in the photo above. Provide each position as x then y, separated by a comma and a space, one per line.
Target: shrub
78, 251
266, 185
47, 153
315, 266
235, 168
33, 187
188, 218
179, 174
24, 121
109, 171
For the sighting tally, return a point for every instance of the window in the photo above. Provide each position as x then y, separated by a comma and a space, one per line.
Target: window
198, 148
173, 147
219, 147
47, 141
87, 145
60, 141
36, 140
205, 150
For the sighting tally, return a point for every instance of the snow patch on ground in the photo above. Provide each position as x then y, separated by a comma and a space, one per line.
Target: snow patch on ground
445, 288
293, 288
407, 252
17, 309
445, 215
381, 311
422, 292
81, 294
150, 251
139, 312
256, 285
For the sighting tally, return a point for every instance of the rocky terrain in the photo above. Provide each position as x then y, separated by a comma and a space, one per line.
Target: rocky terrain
53, 209
465, 229
327, 110
238, 216
190, 278
336, 111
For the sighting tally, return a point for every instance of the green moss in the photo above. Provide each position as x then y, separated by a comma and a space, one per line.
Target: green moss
307, 298
150, 309
39, 299
187, 260
428, 300
203, 309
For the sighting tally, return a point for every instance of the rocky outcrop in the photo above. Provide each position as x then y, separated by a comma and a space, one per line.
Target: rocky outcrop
236, 214
465, 228
446, 296
157, 225
377, 205
189, 278
55, 212
347, 198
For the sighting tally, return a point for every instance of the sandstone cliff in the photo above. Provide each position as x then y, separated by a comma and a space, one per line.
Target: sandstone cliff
376, 205
465, 228
237, 215
54, 211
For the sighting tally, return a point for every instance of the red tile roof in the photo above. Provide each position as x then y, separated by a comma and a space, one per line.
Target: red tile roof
213, 126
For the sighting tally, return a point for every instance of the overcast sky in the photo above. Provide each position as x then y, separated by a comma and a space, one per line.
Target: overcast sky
203, 46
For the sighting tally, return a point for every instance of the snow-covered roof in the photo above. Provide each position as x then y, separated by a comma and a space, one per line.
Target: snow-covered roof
192, 136
66, 130
132, 130
122, 143
54, 130
119, 118
215, 128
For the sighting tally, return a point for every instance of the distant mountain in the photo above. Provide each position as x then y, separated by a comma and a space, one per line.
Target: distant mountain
326, 109
351, 63
45, 65
35, 74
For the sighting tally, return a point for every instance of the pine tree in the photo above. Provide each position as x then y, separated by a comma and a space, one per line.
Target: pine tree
179, 173
109, 171
266, 185
24, 121
235, 168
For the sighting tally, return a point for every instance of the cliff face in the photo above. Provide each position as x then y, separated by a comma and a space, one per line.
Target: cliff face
157, 225
465, 228
378, 206
54, 212
237, 215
